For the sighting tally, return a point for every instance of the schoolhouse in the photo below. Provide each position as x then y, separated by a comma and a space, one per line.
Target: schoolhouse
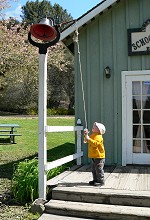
112, 76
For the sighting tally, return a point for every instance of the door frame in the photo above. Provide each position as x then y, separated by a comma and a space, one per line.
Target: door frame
125, 100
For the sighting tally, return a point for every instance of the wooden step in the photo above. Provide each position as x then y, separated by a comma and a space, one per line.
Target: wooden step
60, 217
101, 195
96, 211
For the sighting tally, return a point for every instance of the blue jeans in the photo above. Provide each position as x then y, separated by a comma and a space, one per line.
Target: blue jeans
98, 169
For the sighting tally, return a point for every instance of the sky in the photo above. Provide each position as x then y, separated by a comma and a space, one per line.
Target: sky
74, 7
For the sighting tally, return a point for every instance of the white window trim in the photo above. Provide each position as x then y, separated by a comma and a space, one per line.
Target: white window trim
124, 106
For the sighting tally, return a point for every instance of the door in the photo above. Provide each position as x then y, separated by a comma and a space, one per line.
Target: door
137, 115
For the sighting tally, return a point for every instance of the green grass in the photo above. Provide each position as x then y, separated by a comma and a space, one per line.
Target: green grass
58, 145
27, 145
26, 148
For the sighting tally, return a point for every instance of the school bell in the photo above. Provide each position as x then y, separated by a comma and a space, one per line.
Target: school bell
45, 30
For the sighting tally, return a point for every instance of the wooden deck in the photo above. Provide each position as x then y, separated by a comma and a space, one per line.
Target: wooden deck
125, 195
134, 178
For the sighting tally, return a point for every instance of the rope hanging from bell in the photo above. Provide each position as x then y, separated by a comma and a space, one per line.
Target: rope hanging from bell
76, 40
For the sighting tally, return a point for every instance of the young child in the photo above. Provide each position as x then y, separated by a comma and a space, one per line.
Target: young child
96, 151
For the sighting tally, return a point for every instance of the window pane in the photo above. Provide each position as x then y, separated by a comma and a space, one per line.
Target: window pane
146, 146
146, 87
136, 102
136, 131
146, 131
136, 146
136, 117
146, 102
136, 88
146, 117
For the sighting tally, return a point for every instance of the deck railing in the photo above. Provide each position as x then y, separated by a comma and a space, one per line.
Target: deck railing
69, 158
50, 165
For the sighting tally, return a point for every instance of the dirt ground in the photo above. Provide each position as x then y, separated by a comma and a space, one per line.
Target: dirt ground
12, 212
9, 209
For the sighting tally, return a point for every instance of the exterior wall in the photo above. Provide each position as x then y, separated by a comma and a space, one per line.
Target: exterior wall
104, 42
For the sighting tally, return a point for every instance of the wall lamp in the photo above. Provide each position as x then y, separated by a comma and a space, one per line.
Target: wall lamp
107, 72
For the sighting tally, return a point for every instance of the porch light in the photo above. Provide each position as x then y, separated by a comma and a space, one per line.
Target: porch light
107, 72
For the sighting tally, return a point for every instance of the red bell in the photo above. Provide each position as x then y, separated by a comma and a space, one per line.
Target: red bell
45, 30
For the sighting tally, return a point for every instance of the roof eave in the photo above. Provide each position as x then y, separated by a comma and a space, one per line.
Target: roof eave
85, 19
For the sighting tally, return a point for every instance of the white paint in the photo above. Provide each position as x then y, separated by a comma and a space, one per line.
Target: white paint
62, 161
42, 111
43, 166
128, 157
79, 146
63, 128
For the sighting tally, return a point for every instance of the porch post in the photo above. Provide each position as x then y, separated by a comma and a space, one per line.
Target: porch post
79, 142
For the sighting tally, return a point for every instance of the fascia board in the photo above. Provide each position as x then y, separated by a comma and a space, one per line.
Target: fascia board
86, 18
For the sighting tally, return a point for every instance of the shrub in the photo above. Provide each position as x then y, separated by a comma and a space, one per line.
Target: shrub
25, 181
57, 170
59, 111
51, 112
33, 110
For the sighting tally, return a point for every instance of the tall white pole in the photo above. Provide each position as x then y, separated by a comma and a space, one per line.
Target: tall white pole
42, 117
42, 107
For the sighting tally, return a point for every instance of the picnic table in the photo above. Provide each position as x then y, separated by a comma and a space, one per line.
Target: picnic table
9, 130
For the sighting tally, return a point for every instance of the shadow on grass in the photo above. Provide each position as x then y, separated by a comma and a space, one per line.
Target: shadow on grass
4, 141
6, 170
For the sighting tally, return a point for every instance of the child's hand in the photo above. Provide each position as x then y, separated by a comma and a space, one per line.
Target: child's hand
86, 136
86, 131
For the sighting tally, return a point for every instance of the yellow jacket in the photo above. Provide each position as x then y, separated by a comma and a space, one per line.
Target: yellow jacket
96, 146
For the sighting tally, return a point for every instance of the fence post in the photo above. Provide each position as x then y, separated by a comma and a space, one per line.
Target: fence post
79, 142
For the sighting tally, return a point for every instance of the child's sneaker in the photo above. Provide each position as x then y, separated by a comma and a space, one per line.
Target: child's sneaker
92, 182
99, 184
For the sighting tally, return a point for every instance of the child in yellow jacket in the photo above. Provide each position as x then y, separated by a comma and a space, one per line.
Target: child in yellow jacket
96, 151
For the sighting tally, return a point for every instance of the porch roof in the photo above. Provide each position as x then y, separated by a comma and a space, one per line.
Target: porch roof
84, 20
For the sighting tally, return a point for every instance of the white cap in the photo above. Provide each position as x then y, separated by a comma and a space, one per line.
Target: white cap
101, 127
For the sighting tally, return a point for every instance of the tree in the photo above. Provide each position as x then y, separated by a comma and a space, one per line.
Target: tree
19, 71
60, 14
34, 11
19, 67
58, 88
12, 22
19, 62
60, 77
3, 5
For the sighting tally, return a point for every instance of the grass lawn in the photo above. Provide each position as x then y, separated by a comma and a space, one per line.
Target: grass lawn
26, 147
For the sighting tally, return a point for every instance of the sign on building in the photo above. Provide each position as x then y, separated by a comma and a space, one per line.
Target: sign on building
139, 40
